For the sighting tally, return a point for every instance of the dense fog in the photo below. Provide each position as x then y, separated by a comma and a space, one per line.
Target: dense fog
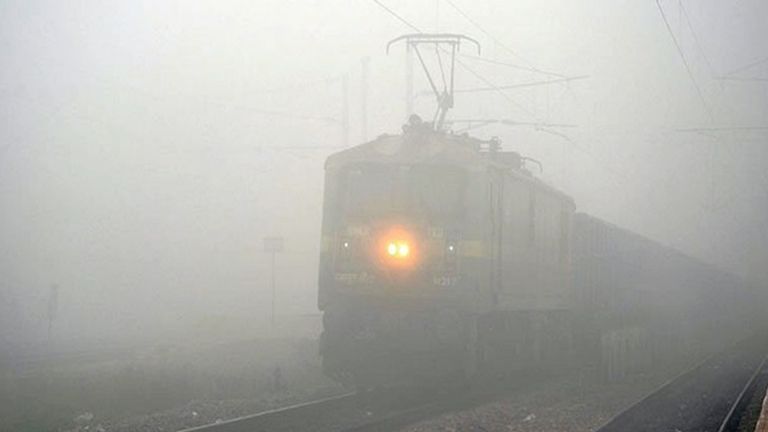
147, 148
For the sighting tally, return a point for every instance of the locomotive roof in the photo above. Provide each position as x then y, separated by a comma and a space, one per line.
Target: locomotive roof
429, 147
434, 148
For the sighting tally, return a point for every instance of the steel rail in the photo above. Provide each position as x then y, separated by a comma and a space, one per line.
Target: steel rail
664, 386
273, 419
731, 420
635, 415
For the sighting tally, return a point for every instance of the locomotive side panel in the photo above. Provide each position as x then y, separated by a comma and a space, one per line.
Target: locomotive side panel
535, 248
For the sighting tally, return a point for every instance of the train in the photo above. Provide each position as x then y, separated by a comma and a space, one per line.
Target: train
444, 255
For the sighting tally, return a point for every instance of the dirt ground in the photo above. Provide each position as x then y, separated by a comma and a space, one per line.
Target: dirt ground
165, 387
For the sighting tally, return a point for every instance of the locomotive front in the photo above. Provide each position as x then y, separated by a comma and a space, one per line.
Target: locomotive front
397, 252
397, 229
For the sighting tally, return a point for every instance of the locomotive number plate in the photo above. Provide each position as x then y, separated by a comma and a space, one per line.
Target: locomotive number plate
436, 232
445, 281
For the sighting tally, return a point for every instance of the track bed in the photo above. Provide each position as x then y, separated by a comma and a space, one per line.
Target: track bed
709, 397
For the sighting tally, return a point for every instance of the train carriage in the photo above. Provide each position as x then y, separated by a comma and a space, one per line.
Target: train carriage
443, 254
641, 303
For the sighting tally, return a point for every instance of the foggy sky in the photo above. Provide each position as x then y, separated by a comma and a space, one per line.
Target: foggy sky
145, 151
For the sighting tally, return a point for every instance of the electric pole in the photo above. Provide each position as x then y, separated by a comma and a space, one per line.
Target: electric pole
273, 245
364, 98
408, 81
345, 108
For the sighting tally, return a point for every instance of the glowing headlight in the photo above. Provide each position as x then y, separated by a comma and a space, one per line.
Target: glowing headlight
398, 249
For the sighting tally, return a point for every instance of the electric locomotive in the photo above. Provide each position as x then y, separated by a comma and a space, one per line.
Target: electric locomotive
440, 253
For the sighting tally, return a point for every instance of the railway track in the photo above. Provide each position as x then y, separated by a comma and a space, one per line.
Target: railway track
287, 418
354, 411
378, 410
716, 395
745, 411
712, 396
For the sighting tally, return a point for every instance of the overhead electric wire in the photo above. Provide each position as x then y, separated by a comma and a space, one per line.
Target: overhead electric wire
458, 61
399, 18
510, 122
270, 113
496, 40
723, 129
696, 38
501, 92
522, 85
746, 67
479, 123
494, 87
510, 65
746, 79
328, 147
293, 88
685, 62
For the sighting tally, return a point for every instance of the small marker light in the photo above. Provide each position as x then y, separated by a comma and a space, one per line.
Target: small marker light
392, 249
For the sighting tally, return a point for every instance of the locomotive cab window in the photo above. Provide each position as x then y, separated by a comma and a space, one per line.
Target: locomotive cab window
367, 189
378, 189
